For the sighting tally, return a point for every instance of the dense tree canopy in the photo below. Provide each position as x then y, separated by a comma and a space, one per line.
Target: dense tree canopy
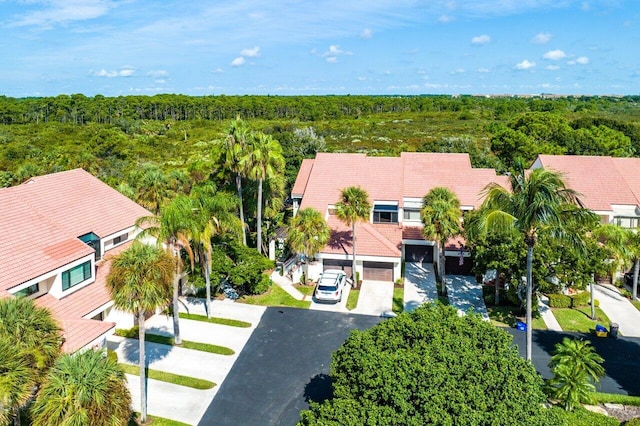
430, 367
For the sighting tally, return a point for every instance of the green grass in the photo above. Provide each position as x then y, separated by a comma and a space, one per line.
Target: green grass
214, 320
398, 300
614, 398
156, 421
505, 316
132, 333
307, 290
352, 300
636, 303
275, 296
577, 319
163, 376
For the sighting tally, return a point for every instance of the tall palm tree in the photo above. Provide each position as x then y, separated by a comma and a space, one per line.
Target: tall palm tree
353, 206
634, 243
263, 159
152, 187
36, 337
214, 215
308, 234
85, 388
440, 216
235, 145
17, 380
535, 201
576, 366
173, 229
140, 281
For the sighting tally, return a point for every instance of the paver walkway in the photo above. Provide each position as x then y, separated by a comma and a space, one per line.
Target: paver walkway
375, 297
619, 309
465, 294
419, 285
547, 315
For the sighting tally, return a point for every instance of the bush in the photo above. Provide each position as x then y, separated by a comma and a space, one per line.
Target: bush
579, 417
112, 356
633, 422
596, 303
261, 286
559, 301
580, 299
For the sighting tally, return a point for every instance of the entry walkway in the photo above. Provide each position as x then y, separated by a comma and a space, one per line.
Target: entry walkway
465, 294
619, 309
420, 285
547, 316
286, 285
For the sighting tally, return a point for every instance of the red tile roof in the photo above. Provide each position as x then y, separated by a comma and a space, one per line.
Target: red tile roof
371, 239
601, 181
303, 177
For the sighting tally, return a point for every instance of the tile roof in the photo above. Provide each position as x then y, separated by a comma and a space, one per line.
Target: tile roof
42, 218
412, 175
601, 181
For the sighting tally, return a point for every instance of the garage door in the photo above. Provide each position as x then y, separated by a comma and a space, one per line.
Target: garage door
452, 266
418, 253
379, 271
344, 265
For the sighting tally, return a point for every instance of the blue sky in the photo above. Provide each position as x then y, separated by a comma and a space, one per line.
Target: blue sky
300, 47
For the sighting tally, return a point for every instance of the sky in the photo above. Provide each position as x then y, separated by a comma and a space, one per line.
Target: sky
320, 47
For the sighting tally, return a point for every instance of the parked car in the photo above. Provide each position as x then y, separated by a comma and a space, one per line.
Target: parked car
330, 286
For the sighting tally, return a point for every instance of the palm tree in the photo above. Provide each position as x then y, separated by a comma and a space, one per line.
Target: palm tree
172, 229
34, 336
441, 219
152, 187
308, 234
140, 281
235, 145
263, 160
576, 366
353, 206
535, 201
634, 242
214, 215
85, 388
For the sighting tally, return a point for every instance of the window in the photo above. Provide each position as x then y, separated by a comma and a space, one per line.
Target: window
412, 215
385, 213
32, 289
76, 275
121, 238
626, 222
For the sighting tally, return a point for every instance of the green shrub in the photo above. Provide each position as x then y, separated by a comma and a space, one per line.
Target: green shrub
112, 356
131, 333
261, 286
580, 299
559, 301
578, 417
596, 303
633, 422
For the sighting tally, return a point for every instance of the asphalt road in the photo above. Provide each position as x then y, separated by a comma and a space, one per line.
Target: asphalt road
283, 365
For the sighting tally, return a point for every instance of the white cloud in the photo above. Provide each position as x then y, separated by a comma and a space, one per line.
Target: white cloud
332, 54
481, 39
250, 53
552, 67
525, 65
332, 59
458, 71
541, 38
157, 73
554, 55
366, 34
237, 61
484, 70
445, 19
582, 60
218, 71
63, 11
124, 72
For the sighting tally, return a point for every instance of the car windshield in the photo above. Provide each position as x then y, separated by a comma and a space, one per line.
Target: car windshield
327, 288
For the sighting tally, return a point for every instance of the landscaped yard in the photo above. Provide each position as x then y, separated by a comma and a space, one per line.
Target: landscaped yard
275, 296
352, 300
132, 333
307, 290
398, 300
578, 319
163, 376
156, 421
215, 320
507, 316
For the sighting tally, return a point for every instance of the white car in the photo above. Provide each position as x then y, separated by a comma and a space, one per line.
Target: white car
330, 286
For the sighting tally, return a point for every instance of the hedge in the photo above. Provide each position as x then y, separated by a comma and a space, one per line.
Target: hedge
580, 299
559, 301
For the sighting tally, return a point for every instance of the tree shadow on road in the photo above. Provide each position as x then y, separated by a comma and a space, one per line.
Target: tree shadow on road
319, 389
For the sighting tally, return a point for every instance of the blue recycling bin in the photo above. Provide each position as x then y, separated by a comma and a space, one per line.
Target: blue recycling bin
522, 326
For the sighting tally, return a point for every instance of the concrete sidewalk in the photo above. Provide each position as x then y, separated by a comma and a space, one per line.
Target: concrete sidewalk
619, 309
287, 285
547, 315
419, 285
465, 294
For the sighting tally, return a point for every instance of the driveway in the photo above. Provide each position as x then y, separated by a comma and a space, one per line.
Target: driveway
284, 364
618, 309
375, 297
419, 285
333, 307
465, 294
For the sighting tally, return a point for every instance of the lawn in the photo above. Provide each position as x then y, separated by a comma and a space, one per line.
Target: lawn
577, 319
352, 300
507, 316
275, 296
398, 300
132, 333
156, 421
163, 376
215, 320
636, 303
307, 290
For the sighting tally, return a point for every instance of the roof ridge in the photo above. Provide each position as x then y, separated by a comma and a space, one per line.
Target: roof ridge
378, 236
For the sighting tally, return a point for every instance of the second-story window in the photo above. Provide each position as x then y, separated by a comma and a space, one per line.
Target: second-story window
412, 215
385, 213
76, 275
626, 222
